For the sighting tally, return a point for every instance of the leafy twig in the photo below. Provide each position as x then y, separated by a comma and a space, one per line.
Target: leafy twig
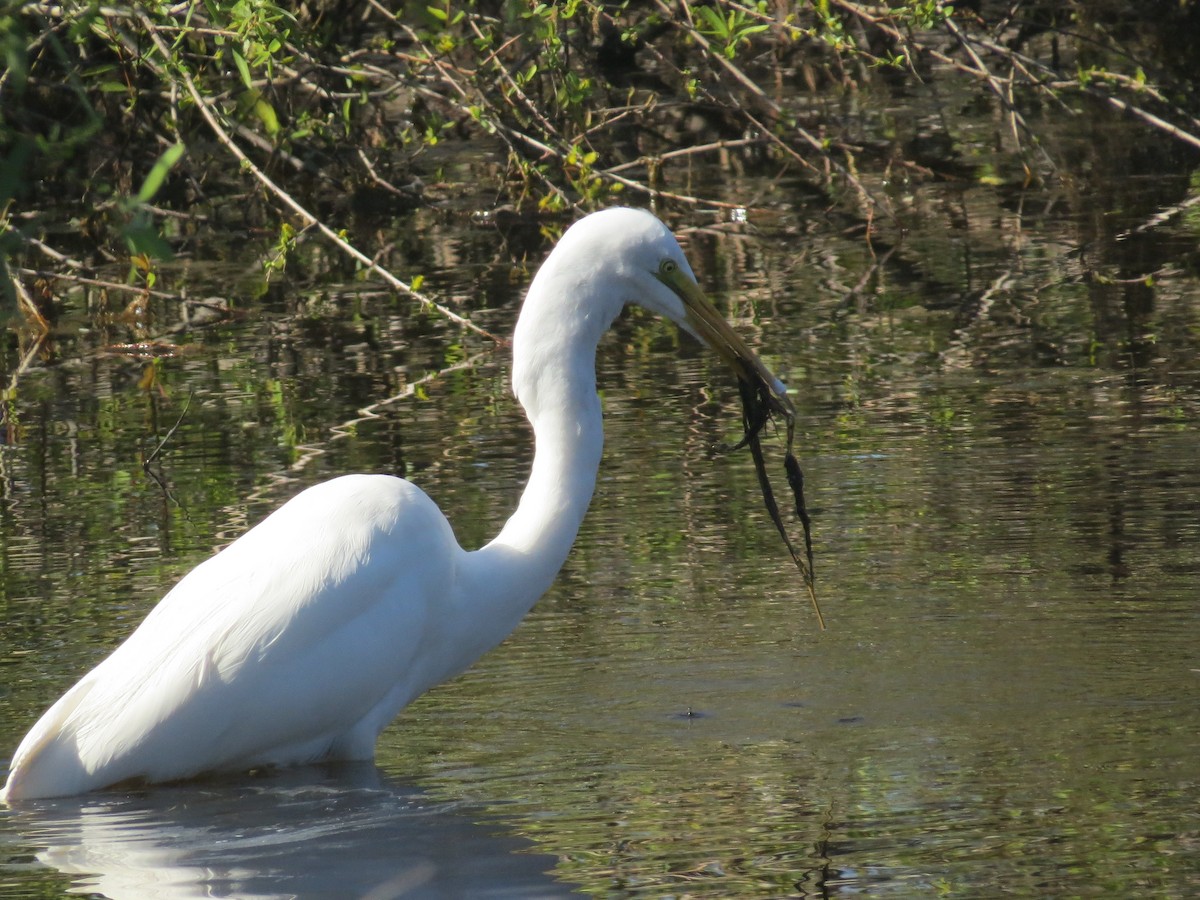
288, 200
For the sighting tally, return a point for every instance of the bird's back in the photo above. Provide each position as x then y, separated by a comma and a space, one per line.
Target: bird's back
298, 642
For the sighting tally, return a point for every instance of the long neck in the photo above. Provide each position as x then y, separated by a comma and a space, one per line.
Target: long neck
535, 541
554, 376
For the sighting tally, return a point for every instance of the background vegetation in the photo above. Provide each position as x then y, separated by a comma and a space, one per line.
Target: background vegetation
135, 133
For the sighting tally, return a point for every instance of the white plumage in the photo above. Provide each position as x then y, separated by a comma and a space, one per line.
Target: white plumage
305, 637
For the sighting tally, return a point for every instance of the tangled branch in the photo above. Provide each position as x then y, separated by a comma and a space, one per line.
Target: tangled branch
575, 105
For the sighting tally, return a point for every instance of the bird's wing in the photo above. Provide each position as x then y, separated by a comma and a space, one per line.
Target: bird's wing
296, 630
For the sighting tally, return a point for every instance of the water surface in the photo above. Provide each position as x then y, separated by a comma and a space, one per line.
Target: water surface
1002, 465
310, 832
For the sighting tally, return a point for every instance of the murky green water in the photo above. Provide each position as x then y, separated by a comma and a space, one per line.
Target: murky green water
1002, 463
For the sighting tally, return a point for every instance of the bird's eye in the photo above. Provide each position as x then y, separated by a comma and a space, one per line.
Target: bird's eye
667, 267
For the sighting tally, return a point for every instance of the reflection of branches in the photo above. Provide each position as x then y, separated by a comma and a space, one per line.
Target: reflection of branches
956, 353
1047, 80
279, 482
870, 273
1161, 217
9, 427
157, 451
309, 452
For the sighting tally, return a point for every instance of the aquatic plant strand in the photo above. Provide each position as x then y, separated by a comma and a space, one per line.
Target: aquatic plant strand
759, 404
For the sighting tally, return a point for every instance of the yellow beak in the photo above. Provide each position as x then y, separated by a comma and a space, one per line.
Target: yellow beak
710, 326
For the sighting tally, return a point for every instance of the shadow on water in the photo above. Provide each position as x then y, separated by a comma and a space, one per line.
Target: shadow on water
344, 831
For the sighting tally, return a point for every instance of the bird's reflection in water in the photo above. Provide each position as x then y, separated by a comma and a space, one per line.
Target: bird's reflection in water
330, 831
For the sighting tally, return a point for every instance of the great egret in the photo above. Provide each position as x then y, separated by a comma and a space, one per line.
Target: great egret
306, 636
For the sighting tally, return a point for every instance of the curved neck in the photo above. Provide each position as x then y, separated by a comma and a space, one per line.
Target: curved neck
538, 536
521, 562
496, 585
554, 377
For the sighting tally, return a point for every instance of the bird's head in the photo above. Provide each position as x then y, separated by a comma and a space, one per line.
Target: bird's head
631, 257
626, 256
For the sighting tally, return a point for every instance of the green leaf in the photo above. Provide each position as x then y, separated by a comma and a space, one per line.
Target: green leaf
266, 114
141, 238
244, 69
158, 174
714, 20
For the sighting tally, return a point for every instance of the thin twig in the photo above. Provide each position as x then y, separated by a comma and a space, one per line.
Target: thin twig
158, 450
805, 136
995, 86
97, 282
162, 485
1124, 106
288, 200
1160, 218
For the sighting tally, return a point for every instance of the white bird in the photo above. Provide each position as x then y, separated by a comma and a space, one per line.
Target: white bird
305, 637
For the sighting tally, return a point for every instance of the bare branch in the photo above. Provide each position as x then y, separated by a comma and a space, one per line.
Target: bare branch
288, 200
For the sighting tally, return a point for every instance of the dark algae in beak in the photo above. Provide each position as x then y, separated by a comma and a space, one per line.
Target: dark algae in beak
761, 402
763, 398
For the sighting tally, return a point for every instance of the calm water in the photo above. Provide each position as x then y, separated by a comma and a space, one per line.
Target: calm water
1002, 463
343, 832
